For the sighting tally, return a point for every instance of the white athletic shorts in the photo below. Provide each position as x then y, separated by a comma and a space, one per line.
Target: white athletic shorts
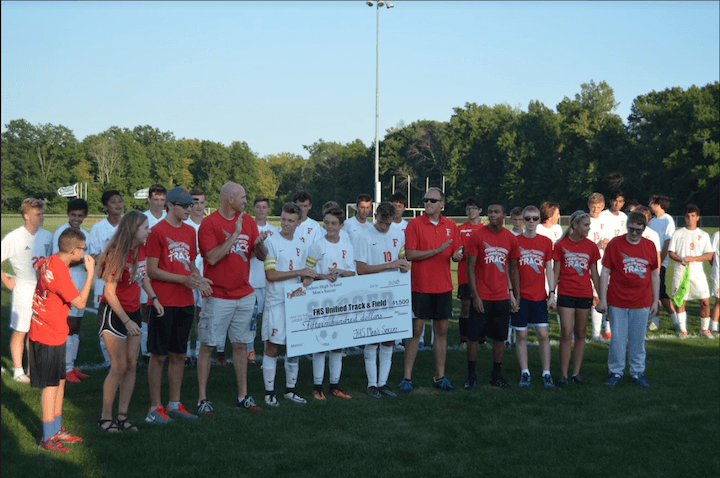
716, 285
698, 283
273, 325
21, 306
222, 318
260, 299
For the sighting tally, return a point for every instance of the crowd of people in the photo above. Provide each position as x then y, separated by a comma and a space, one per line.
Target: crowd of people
159, 274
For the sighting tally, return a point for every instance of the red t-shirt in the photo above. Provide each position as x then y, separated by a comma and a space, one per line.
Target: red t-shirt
128, 289
534, 254
231, 274
464, 233
175, 248
431, 275
492, 249
51, 302
631, 267
574, 260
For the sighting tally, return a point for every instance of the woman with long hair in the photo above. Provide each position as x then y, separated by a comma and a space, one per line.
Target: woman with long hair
122, 267
575, 265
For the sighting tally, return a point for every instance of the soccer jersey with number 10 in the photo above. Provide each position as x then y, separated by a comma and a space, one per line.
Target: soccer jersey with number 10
375, 248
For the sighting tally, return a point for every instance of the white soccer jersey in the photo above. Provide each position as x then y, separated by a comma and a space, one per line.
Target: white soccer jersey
597, 230
685, 243
715, 272
152, 220
257, 267
553, 232
402, 225
665, 228
653, 237
375, 248
24, 250
614, 225
77, 272
283, 255
309, 231
324, 255
98, 239
198, 259
355, 229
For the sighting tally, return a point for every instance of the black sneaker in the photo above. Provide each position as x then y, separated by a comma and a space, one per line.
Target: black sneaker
471, 382
498, 380
578, 380
373, 392
562, 383
385, 390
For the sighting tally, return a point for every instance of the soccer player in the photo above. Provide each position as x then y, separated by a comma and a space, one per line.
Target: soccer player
261, 208
664, 225
197, 213
690, 247
308, 230
284, 264
613, 217
473, 210
535, 268
380, 249
430, 243
358, 224
549, 218
77, 211
171, 252
123, 268
54, 293
228, 238
596, 204
332, 257
575, 259
399, 200
629, 290
492, 263
99, 238
715, 275
24, 247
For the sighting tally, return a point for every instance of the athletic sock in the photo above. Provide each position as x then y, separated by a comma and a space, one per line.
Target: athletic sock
318, 360
292, 368
385, 359
714, 327
48, 430
17, 372
471, 367
143, 338
335, 367
57, 424
705, 323
370, 355
497, 368
674, 318
546, 373
173, 405
68, 354
527, 371
596, 322
269, 366
682, 321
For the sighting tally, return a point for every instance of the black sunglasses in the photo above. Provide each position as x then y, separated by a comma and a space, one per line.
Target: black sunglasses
184, 206
432, 200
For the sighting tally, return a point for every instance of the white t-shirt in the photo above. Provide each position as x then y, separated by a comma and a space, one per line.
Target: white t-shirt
665, 228
309, 231
715, 272
355, 229
653, 237
324, 254
375, 248
98, 239
690, 243
152, 220
257, 267
553, 232
614, 225
283, 255
77, 272
24, 250
402, 225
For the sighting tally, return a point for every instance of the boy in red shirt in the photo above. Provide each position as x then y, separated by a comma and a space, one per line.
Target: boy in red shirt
54, 294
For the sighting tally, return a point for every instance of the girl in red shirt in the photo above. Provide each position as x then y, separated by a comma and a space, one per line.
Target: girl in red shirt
122, 267
575, 265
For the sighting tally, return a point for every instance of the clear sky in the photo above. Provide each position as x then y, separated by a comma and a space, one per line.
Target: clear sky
280, 75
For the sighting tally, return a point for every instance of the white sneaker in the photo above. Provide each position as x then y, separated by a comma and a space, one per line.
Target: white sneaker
295, 398
272, 400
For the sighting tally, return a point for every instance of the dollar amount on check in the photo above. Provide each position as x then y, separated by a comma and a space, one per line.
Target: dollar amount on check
349, 312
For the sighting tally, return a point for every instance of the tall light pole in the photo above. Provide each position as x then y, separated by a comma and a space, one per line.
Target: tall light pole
380, 3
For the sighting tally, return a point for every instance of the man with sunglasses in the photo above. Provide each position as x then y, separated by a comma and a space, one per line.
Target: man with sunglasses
430, 243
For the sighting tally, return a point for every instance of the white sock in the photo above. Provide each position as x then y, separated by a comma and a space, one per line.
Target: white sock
545, 373
714, 326
525, 371
269, 366
143, 338
335, 366
607, 327
173, 405
682, 321
104, 351
197, 348
370, 354
292, 368
674, 318
17, 372
705, 323
318, 367
68, 354
596, 322
385, 364
190, 351
432, 336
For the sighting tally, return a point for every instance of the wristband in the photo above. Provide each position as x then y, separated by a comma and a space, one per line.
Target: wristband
154, 298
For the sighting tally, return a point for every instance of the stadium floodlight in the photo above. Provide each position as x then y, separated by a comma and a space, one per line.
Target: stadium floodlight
370, 3
389, 5
381, 4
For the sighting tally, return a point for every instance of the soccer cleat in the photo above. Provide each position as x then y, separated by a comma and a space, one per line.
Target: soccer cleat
373, 392
683, 334
158, 416
248, 403
578, 380
220, 360
385, 390
204, 407
318, 395
562, 383
181, 412
471, 382
607, 335
23, 378
80, 374
613, 379
548, 381
499, 381
271, 400
524, 380
251, 356
295, 398
54, 444
71, 377
65, 436
443, 384
641, 381
405, 386
652, 326
336, 392
706, 333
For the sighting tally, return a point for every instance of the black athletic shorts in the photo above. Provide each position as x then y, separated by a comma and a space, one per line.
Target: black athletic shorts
432, 306
464, 292
47, 364
170, 332
492, 323
663, 292
574, 302
109, 320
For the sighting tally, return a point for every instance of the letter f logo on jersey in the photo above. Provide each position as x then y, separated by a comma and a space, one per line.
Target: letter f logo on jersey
395, 241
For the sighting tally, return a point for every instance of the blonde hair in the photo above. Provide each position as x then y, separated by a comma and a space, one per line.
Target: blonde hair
575, 218
31, 203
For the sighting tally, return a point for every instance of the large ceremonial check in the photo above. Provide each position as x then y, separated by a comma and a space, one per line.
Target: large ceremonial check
349, 312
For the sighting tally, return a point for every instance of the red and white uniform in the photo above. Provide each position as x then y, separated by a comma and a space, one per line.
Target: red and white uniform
175, 249
665, 227
534, 254
574, 260
128, 288
715, 272
283, 255
431, 275
324, 255
631, 267
257, 267
694, 243
51, 302
355, 228
614, 225
98, 239
554, 233
464, 233
375, 248
309, 231
492, 250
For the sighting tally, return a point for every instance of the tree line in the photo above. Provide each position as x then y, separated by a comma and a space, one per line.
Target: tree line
670, 145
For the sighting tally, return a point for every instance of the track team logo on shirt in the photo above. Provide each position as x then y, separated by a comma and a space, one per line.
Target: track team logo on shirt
495, 255
179, 251
532, 258
577, 261
240, 246
635, 265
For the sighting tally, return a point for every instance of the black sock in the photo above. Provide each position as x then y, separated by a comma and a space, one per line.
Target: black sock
471, 367
497, 366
